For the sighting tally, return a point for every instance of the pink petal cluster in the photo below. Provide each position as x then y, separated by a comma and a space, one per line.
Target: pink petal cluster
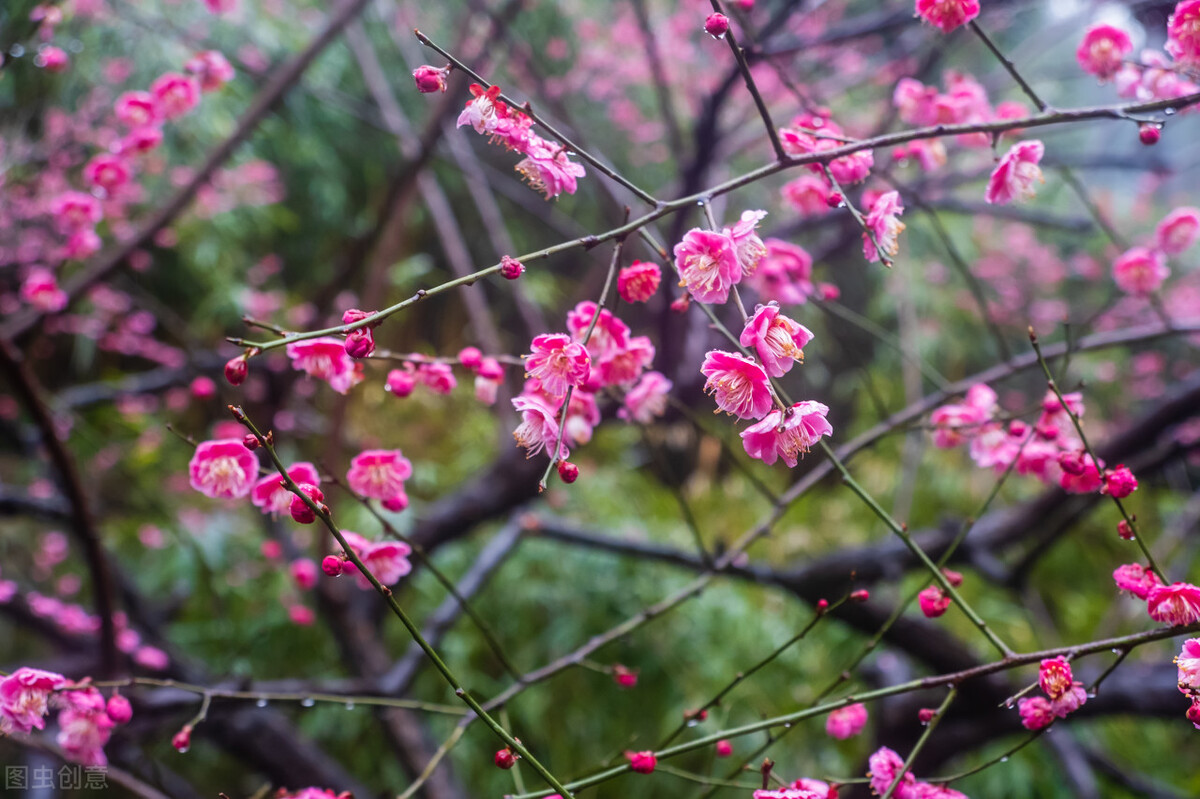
1102, 51
558, 362
24, 699
1135, 578
380, 474
707, 264
846, 722
883, 220
387, 560
784, 274
933, 601
955, 424
1178, 231
964, 101
1176, 604
808, 194
787, 435
947, 14
1014, 178
211, 68
1119, 482
40, 289
777, 339
325, 358
738, 384
647, 400
223, 469
269, 494
1140, 271
1063, 695
546, 165
1183, 32
811, 134
175, 94
638, 281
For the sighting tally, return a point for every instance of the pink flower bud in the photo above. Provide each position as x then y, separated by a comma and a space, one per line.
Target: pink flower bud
568, 471
119, 709
505, 758
490, 369
1119, 482
1124, 530
401, 382
933, 602
203, 388
429, 79
954, 578
300, 510
360, 343
1149, 134
511, 268
331, 565
183, 739
834, 200
716, 26
642, 762
724, 748
828, 292
623, 676
235, 371
250, 441
304, 573
861, 595
470, 357
353, 315
1193, 713
680, 304
822, 605
926, 714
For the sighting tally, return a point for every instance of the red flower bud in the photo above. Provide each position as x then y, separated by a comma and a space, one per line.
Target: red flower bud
300, 510
505, 758
429, 79
724, 748
119, 709
1149, 134
511, 268
861, 595
331, 565
250, 441
926, 714
834, 200
1124, 530
183, 739
642, 762
716, 26
236, 370
623, 676
568, 471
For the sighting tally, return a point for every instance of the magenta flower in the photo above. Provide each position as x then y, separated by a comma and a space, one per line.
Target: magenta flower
642, 762
480, 111
1036, 712
884, 765
1176, 604
557, 362
947, 15
269, 494
538, 429
1188, 662
1119, 482
1140, 271
1178, 230
429, 79
747, 246
136, 109
1136, 579
808, 195
1079, 473
387, 560
638, 281
739, 385
211, 69
107, 171
609, 335
23, 699
40, 289
884, 222
647, 400
380, 474
784, 274
1014, 177
788, 436
777, 340
175, 94
326, 359
846, 722
1183, 32
223, 469
437, 376
74, 210
708, 265
547, 168
1054, 677
619, 367
933, 601
1102, 50
84, 727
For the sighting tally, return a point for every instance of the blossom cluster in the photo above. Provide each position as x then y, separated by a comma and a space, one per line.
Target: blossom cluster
1155, 75
546, 165
886, 765
1141, 270
85, 718
1063, 695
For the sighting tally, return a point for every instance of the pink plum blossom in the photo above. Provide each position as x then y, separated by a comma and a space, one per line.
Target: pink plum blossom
708, 265
538, 429
1102, 50
1183, 32
223, 468
846, 722
647, 400
40, 289
1014, 177
137, 109
883, 220
175, 94
1188, 662
784, 274
84, 727
787, 435
638, 281
107, 171
747, 246
933, 601
269, 494
1176, 604
777, 340
437, 376
1136, 579
380, 474
738, 384
325, 358
548, 170
884, 766
1178, 230
211, 69
557, 362
1140, 271
387, 560
947, 14
1036, 712
24, 697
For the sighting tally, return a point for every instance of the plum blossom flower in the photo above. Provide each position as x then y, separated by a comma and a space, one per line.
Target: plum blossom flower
808, 194
387, 560
884, 765
638, 281
325, 358
40, 289
784, 274
647, 400
271, 496
846, 722
1176, 604
538, 429
1119, 482
933, 601
437, 376
211, 69
1071, 700
557, 362
1183, 32
791, 792
223, 468
1178, 230
547, 168
74, 210
747, 246
1014, 177
24, 695
642, 762
380, 474
1136, 579
947, 14
175, 94
84, 726
1036, 712
1102, 50
107, 171
739, 385
1080, 474
480, 111
1188, 662
777, 340
1140, 271
1054, 677
708, 265
429, 79
136, 109
883, 220
787, 435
